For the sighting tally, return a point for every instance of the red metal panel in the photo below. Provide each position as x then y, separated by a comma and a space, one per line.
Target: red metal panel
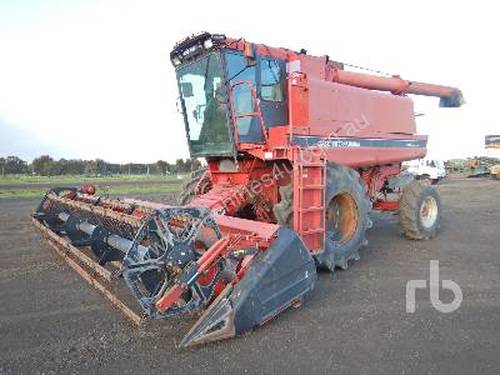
386, 205
341, 110
298, 108
235, 225
369, 156
278, 136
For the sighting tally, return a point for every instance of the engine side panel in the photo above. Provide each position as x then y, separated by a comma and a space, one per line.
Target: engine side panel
345, 111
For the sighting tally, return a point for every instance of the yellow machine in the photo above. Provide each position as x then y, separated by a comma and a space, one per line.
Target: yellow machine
495, 171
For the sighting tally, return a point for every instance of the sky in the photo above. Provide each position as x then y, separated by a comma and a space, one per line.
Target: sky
92, 79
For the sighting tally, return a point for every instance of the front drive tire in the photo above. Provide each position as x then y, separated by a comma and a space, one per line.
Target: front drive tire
420, 211
187, 194
347, 217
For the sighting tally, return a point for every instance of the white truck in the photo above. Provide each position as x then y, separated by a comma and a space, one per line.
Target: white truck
431, 169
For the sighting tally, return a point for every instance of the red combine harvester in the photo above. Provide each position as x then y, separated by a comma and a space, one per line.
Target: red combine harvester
298, 151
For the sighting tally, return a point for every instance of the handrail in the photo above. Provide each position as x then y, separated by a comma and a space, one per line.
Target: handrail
257, 113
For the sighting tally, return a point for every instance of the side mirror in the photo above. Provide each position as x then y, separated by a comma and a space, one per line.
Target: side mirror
187, 89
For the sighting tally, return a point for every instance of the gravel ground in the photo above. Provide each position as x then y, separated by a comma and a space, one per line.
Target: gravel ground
355, 322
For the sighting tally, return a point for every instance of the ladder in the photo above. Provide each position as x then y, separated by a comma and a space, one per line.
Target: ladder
309, 175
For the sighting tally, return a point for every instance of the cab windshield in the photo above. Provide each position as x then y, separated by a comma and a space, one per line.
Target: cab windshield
205, 104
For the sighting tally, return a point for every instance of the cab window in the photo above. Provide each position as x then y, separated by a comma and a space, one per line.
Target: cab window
271, 88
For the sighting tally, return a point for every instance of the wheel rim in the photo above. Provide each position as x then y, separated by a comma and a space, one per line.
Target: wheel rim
342, 218
428, 212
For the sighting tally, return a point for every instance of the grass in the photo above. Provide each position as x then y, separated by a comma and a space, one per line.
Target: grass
12, 187
69, 179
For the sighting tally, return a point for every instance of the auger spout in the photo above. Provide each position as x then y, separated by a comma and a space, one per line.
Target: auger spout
449, 96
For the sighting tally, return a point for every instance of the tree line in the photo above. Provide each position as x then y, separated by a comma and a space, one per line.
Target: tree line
47, 166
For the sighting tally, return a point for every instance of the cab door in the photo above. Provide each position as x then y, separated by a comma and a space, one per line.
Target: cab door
239, 70
266, 76
272, 91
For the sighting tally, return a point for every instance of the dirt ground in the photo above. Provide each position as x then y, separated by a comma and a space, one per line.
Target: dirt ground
355, 322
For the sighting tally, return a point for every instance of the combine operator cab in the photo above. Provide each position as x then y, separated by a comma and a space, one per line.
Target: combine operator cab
228, 97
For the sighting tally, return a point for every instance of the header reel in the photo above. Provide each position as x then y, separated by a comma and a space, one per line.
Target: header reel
177, 237
154, 249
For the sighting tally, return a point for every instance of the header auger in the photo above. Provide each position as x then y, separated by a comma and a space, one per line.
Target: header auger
298, 151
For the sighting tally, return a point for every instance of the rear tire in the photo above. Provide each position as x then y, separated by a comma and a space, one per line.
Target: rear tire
420, 211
